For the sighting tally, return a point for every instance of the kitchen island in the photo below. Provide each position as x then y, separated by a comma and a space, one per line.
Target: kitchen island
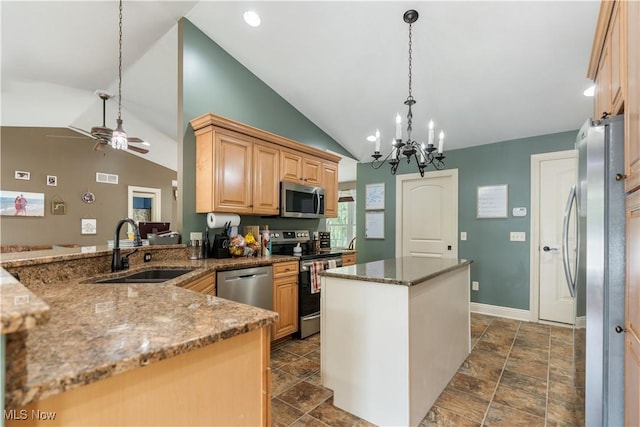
130, 354
393, 334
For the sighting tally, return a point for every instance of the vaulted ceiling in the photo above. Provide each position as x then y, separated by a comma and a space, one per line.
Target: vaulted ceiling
483, 71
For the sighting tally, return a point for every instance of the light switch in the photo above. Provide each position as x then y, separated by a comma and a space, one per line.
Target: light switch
518, 236
463, 235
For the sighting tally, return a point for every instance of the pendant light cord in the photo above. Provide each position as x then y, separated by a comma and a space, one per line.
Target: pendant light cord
120, 65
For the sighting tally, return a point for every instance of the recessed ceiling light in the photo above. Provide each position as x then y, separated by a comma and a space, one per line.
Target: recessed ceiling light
371, 138
252, 18
590, 91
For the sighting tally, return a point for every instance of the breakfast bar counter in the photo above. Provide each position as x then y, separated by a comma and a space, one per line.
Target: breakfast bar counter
394, 332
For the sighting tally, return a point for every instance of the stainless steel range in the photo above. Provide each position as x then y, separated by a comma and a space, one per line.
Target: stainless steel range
282, 243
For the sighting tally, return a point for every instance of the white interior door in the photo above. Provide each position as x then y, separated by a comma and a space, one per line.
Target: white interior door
427, 214
556, 177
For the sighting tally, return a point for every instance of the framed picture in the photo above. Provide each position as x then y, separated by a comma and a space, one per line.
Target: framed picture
374, 196
492, 201
88, 226
59, 207
374, 225
52, 180
24, 175
21, 203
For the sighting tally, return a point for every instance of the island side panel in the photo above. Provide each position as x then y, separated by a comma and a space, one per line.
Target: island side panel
225, 383
439, 337
364, 348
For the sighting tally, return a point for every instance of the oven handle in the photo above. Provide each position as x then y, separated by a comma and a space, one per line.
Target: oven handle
304, 266
310, 317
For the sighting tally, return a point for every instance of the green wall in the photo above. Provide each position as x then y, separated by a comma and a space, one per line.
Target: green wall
214, 82
501, 266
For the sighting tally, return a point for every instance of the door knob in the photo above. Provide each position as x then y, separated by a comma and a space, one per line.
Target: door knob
619, 329
547, 249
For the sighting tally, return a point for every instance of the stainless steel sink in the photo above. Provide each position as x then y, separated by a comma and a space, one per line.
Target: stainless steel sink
149, 276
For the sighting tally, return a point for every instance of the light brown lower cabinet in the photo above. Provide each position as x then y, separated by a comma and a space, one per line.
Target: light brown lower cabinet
348, 259
285, 298
204, 285
226, 383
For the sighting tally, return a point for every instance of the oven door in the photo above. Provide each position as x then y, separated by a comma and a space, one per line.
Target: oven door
301, 201
309, 303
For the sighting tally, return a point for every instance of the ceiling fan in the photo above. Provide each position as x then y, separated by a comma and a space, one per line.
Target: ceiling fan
102, 134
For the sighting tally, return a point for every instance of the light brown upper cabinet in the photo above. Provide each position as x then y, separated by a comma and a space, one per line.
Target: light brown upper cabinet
300, 169
239, 168
330, 184
615, 68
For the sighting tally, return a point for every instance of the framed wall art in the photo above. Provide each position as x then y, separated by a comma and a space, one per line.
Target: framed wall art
492, 201
21, 203
58, 206
374, 196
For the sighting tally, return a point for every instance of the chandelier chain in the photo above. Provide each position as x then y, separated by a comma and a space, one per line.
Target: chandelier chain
120, 64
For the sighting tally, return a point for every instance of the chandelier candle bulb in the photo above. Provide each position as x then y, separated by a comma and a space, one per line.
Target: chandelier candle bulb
398, 127
431, 132
377, 141
441, 143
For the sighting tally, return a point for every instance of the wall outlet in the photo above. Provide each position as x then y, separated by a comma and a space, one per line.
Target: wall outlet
475, 286
195, 235
518, 236
463, 235
147, 256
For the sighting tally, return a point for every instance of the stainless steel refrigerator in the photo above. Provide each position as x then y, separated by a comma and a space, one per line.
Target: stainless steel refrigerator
596, 275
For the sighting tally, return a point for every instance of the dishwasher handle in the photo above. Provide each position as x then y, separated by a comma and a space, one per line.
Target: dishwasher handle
244, 277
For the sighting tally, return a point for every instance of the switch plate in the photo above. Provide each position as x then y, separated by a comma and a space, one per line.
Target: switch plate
463, 235
475, 286
147, 256
518, 236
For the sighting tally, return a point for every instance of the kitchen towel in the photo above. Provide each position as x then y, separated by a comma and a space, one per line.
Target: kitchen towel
332, 263
316, 267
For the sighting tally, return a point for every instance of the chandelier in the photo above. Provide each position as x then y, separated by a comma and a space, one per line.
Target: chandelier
119, 136
424, 154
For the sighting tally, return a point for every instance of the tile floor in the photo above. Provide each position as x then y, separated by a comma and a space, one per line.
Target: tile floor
518, 373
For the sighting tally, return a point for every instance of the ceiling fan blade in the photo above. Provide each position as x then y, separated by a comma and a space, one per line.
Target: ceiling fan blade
81, 132
137, 149
134, 139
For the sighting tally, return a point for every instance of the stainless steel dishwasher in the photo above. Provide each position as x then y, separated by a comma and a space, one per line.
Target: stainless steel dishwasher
252, 286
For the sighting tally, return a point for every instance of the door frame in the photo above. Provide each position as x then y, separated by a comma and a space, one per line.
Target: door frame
453, 173
534, 241
156, 194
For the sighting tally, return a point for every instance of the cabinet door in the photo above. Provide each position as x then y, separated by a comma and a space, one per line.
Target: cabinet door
617, 60
330, 184
285, 303
603, 84
632, 317
290, 166
311, 171
233, 171
204, 285
205, 177
632, 98
266, 190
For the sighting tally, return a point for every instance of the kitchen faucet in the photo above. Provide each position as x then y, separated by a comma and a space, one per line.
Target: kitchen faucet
118, 263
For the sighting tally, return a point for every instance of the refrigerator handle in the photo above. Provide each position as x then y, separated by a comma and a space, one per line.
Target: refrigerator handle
565, 241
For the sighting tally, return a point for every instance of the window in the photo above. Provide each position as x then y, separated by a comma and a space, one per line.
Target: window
343, 228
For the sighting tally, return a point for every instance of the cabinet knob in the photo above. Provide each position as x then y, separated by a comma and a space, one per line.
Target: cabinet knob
620, 176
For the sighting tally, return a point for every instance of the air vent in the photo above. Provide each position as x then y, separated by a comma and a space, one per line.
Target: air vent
106, 178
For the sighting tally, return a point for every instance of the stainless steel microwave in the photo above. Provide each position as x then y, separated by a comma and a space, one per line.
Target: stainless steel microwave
301, 201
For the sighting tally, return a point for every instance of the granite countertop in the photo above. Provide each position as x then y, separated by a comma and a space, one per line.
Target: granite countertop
406, 271
20, 309
99, 330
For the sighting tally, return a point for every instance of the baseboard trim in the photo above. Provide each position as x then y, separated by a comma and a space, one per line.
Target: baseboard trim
496, 310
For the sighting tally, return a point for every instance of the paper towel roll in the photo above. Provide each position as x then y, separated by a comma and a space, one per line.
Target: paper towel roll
217, 220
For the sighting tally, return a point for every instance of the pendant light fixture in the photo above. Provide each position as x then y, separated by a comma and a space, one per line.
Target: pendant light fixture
422, 153
119, 136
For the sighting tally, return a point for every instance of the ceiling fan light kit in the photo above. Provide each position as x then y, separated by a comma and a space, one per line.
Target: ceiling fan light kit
424, 154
